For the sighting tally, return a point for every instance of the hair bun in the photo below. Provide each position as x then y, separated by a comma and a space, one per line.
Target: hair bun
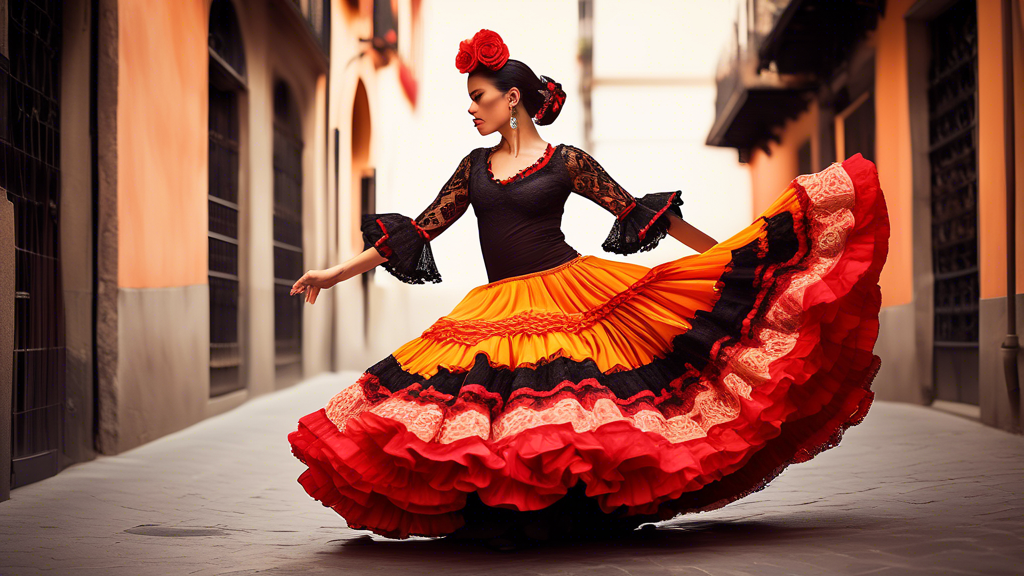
554, 97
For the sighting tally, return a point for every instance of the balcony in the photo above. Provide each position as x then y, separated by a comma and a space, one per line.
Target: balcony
780, 53
752, 102
813, 36
314, 16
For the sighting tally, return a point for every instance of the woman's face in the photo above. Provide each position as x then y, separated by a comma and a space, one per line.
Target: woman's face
488, 107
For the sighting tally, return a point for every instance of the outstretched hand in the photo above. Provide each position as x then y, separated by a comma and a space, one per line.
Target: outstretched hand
311, 283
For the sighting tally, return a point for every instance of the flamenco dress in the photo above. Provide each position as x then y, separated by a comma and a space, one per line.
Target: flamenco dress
586, 394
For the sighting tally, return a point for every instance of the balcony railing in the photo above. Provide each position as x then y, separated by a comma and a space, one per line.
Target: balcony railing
317, 15
781, 50
813, 36
751, 102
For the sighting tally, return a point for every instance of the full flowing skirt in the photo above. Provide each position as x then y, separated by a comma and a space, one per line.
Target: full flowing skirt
601, 392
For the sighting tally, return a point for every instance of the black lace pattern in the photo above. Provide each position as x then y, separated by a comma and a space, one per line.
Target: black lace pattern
405, 241
640, 223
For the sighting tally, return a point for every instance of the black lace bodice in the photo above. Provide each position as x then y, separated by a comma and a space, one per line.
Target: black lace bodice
519, 219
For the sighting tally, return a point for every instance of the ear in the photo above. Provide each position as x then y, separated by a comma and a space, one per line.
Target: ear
514, 95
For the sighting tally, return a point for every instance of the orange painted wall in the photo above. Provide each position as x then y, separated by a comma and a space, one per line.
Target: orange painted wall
771, 174
162, 142
893, 151
991, 150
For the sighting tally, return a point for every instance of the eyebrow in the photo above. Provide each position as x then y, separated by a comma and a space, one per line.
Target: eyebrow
475, 91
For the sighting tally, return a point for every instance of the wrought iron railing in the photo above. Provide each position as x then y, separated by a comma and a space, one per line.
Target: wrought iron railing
317, 15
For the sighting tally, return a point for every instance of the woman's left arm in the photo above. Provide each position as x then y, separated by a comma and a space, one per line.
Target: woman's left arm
685, 232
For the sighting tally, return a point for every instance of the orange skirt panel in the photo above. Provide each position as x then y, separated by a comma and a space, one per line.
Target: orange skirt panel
619, 314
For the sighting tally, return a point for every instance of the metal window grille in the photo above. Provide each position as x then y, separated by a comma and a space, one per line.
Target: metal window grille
30, 175
859, 130
952, 118
227, 77
288, 256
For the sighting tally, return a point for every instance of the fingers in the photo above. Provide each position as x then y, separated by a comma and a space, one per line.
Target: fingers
300, 284
311, 295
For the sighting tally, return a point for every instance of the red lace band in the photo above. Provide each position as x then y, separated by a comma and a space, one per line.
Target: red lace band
629, 208
421, 231
381, 243
643, 231
525, 171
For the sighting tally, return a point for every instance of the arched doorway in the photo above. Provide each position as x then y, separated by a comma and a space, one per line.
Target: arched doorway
364, 182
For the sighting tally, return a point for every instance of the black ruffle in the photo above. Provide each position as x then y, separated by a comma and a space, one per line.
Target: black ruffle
409, 256
651, 211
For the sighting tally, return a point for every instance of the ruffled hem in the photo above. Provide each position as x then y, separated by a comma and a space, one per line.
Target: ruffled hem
784, 391
405, 245
642, 226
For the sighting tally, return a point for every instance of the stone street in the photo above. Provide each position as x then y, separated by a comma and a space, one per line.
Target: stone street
911, 490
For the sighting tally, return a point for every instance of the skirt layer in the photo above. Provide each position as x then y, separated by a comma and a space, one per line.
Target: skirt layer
617, 392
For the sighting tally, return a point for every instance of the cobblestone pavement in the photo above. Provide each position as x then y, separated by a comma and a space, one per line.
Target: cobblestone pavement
909, 491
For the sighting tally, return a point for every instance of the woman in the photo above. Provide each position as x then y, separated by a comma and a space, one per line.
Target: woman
573, 395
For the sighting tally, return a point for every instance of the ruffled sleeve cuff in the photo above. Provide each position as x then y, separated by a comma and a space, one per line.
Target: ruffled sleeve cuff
641, 226
405, 245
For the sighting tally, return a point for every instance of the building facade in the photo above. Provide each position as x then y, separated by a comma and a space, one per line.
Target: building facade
926, 90
171, 168
165, 178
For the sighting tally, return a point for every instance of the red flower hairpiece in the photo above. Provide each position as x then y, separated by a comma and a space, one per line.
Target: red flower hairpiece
486, 47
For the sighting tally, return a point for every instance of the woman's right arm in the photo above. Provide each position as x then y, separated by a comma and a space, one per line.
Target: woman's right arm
314, 280
363, 262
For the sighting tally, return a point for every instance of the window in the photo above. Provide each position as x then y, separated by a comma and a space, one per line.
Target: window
288, 261
227, 81
952, 152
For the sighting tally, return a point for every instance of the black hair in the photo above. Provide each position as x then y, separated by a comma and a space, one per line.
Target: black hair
531, 87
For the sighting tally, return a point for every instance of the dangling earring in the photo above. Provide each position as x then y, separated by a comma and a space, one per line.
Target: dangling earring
515, 131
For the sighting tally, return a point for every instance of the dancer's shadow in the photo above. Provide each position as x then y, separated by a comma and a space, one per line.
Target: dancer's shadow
677, 535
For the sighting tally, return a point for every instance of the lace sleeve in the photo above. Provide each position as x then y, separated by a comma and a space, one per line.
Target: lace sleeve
405, 241
640, 223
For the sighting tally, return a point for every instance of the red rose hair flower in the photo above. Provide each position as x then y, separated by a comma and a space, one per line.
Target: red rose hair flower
466, 60
486, 47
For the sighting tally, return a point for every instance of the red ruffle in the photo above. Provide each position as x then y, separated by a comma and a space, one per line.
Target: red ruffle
543, 160
382, 477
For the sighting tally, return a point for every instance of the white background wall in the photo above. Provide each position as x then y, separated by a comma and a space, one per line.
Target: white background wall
653, 105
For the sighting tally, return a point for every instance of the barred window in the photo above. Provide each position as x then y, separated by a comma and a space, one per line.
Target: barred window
227, 82
288, 260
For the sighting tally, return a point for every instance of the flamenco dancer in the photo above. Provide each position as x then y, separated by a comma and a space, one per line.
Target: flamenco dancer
573, 396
